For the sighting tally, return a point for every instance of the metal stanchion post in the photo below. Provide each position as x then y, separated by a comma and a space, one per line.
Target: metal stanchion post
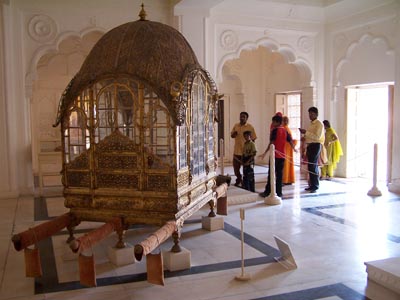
374, 191
243, 276
273, 198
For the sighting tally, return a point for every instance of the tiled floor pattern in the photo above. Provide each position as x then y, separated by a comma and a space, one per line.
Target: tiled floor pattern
331, 233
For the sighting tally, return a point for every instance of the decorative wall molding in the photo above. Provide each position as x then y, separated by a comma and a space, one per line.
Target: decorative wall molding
287, 51
234, 69
340, 41
51, 48
351, 48
42, 28
305, 44
46, 131
228, 40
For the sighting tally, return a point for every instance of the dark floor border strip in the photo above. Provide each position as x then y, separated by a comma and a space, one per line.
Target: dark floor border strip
48, 283
44, 287
308, 195
393, 238
49, 269
316, 210
319, 213
252, 241
40, 212
338, 290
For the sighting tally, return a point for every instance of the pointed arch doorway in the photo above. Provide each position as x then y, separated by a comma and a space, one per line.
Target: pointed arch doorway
50, 74
289, 104
369, 109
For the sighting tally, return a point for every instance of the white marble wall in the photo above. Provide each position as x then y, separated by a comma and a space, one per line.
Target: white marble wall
5, 186
394, 185
348, 43
34, 30
361, 49
318, 42
235, 33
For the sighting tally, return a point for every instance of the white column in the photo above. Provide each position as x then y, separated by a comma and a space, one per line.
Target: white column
192, 24
394, 185
5, 186
16, 175
308, 99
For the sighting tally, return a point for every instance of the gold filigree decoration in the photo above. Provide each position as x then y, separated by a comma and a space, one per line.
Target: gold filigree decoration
183, 179
78, 179
117, 203
179, 102
126, 181
183, 201
112, 162
116, 141
158, 182
198, 191
77, 201
132, 206
80, 162
155, 162
211, 166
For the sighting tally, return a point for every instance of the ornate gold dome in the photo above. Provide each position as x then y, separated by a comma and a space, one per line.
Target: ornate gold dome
153, 53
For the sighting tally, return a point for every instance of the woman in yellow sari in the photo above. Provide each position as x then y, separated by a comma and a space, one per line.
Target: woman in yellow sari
333, 151
288, 167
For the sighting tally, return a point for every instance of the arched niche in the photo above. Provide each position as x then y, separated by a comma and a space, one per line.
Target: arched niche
287, 52
351, 68
251, 79
232, 103
52, 68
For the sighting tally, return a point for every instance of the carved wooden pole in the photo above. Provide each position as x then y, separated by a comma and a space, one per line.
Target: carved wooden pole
95, 236
35, 234
155, 239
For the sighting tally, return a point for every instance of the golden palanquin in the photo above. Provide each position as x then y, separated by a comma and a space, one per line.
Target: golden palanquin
138, 129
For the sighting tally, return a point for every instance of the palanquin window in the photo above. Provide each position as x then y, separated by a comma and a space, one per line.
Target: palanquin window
124, 105
198, 129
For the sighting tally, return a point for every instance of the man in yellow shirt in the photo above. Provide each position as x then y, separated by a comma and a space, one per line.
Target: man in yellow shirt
237, 134
314, 138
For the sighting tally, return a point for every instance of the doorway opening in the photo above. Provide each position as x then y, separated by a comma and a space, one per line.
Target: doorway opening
369, 123
289, 104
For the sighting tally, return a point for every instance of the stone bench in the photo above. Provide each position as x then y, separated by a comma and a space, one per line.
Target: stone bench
383, 279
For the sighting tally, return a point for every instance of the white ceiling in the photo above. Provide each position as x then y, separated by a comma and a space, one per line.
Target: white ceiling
317, 3
313, 10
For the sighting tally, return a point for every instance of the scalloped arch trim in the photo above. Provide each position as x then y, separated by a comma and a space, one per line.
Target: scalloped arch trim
354, 45
287, 52
53, 49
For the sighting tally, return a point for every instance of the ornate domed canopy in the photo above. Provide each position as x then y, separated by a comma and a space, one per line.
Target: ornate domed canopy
138, 137
153, 53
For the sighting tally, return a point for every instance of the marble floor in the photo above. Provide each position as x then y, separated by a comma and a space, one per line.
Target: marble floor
331, 234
